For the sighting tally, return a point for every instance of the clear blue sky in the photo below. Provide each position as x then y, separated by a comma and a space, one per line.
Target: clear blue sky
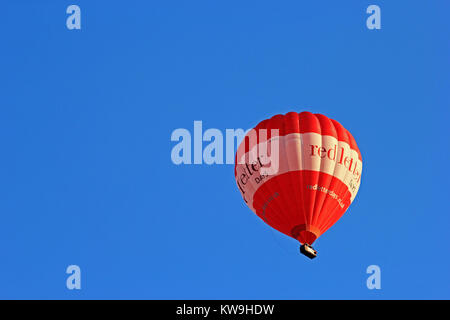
86, 176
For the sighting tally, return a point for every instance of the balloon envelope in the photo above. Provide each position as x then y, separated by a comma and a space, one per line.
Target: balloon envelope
299, 172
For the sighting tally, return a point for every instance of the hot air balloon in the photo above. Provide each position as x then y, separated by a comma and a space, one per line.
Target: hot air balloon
299, 172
